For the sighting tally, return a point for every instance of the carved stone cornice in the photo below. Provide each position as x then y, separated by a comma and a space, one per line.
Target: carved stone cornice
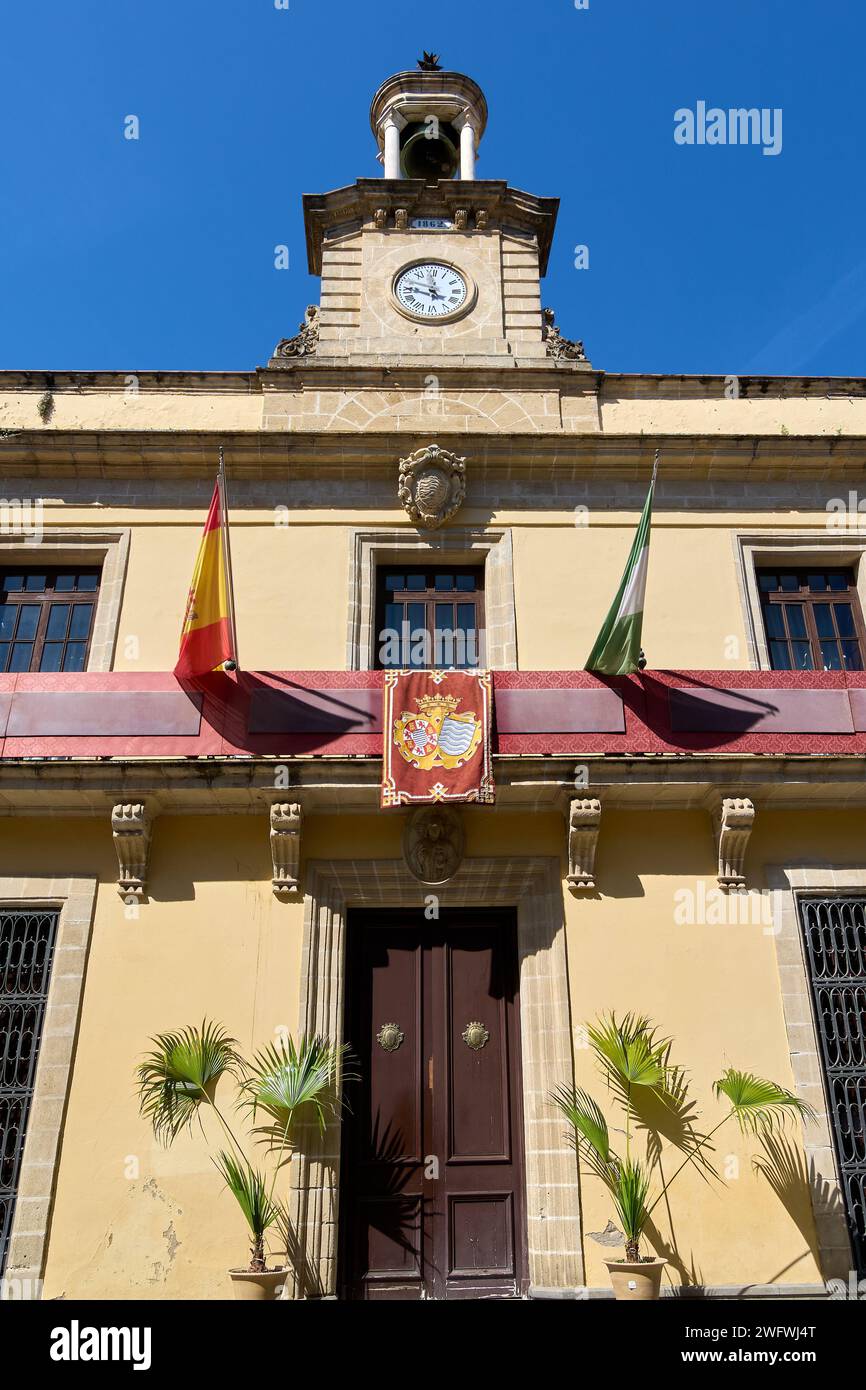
85, 787
130, 828
734, 820
588, 456
286, 817
584, 824
359, 202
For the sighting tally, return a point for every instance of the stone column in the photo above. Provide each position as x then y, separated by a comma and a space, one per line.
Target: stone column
392, 148
467, 150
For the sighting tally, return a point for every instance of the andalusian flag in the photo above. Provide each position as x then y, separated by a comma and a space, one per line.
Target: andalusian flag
617, 646
208, 639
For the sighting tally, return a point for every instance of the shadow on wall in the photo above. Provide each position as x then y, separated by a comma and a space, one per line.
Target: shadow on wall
678, 844
664, 1136
801, 1191
189, 850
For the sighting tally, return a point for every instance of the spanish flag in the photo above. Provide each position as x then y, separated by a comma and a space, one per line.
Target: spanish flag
207, 637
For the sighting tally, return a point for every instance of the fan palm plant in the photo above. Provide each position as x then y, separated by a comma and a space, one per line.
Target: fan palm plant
177, 1084
635, 1063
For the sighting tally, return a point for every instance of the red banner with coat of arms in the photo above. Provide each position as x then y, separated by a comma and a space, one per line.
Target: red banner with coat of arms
436, 737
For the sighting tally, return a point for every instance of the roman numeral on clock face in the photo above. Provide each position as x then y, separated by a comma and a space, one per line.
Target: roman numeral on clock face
431, 290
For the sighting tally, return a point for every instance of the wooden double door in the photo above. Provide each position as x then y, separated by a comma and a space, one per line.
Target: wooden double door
432, 1189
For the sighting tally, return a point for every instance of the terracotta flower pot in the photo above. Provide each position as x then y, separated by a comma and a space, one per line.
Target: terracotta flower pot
248, 1286
635, 1279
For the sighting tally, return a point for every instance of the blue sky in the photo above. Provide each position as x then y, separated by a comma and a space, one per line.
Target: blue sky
159, 253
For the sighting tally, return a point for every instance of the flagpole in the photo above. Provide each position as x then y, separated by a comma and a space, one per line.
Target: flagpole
227, 557
656, 465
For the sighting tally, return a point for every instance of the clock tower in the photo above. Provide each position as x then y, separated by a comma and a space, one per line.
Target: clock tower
428, 263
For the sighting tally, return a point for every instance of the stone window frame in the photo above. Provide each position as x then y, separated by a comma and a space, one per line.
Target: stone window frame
791, 883
108, 549
466, 545
74, 898
534, 887
758, 549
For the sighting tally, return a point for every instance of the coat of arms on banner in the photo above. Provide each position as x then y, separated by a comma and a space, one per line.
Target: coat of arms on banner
436, 731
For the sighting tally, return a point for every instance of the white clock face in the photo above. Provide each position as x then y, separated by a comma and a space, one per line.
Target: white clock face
431, 290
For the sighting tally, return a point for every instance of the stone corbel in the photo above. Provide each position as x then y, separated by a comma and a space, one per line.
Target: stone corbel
285, 846
584, 823
130, 828
734, 819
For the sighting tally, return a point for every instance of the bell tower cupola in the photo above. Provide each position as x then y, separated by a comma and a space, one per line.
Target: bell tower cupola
428, 123
428, 265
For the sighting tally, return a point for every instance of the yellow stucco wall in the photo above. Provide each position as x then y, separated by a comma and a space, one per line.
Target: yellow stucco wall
133, 1220
292, 590
290, 586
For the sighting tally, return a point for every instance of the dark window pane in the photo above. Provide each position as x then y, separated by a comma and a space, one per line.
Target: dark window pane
824, 620
74, 658
838, 582
391, 635
830, 658
466, 620
13, 582
768, 581
87, 582
817, 583
58, 618
789, 582
21, 653
775, 625
844, 619
415, 581
447, 650
796, 620
393, 581
417, 654
8, 614
28, 621
63, 583
80, 625
52, 654
443, 582
802, 656
4, 655
466, 582
34, 583
416, 614
851, 656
